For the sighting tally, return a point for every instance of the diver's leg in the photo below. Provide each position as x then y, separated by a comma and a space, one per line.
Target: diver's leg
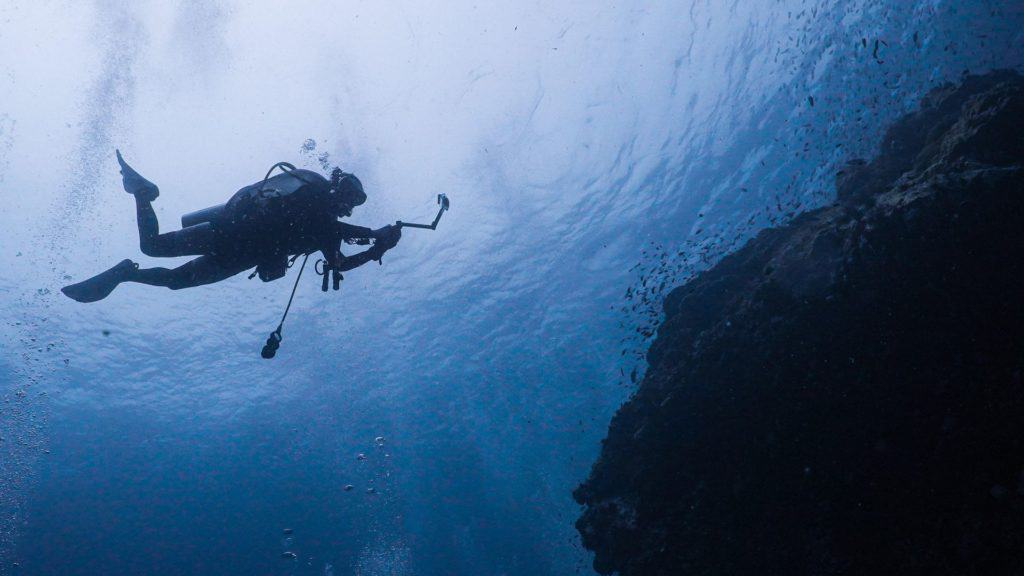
149, 227
192, 241
189, 242
202, 270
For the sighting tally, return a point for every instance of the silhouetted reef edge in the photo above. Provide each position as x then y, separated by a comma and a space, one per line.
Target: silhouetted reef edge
843, 395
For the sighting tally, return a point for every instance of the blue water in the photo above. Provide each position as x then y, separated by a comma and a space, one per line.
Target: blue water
587, 149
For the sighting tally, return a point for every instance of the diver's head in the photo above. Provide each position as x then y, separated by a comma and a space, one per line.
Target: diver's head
347, 191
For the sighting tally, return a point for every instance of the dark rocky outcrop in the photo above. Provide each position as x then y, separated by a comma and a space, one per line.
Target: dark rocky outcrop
844, 394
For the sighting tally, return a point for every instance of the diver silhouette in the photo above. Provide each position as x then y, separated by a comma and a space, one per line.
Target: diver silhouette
262, 225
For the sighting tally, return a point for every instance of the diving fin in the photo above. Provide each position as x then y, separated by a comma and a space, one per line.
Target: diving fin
101, 285
134, 183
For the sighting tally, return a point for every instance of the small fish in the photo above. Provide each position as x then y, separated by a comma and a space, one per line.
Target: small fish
289, 555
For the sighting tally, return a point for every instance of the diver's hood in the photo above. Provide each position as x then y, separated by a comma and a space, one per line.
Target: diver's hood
350, 189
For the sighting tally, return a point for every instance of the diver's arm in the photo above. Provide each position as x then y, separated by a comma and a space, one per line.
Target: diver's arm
330, 242
387, 237
386, 241
357, 260
346, 231
338, 261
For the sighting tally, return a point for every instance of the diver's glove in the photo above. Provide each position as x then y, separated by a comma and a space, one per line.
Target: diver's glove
134, 183
386, 232
387, 238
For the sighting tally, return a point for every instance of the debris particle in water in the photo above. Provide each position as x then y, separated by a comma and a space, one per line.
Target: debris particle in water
289, 555
874, 53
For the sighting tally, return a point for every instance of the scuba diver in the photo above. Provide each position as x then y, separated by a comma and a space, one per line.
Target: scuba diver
262, 225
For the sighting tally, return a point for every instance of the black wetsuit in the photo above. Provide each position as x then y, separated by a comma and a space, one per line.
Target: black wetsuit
261, 225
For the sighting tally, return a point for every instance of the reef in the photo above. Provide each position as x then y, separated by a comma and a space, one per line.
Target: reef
843, 394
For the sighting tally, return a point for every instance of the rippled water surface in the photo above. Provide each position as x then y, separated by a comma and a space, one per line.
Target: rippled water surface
587, 148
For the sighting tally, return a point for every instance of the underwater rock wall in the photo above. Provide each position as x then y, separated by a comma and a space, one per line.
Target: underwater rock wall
843, 395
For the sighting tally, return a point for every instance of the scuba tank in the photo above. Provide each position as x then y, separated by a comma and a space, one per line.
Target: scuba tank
201, 216
286, 183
